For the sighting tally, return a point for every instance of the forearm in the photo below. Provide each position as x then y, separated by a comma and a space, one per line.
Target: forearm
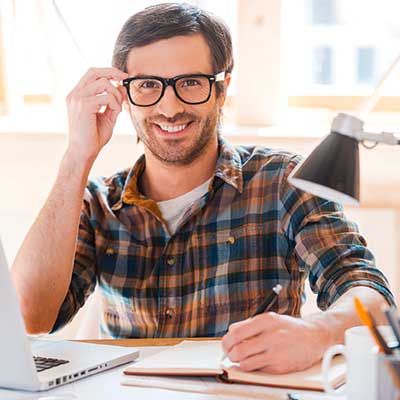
43, 266
342, 314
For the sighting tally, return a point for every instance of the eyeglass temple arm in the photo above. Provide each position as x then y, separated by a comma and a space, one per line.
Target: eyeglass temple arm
220, 76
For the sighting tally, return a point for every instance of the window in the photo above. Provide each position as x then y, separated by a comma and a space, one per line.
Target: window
51, 44
314, 54
365, 65
335, 58
323, 12
322, 66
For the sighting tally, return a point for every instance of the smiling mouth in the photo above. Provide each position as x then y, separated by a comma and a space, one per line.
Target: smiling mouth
173, 128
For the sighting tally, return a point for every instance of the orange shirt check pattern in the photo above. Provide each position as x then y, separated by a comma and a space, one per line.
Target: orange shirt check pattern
251, 231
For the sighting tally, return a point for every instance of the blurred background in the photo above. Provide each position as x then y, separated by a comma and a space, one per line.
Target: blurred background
297, 64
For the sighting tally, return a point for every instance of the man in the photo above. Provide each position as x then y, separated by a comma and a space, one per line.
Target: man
192, 238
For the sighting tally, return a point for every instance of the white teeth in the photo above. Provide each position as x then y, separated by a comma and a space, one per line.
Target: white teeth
176, 128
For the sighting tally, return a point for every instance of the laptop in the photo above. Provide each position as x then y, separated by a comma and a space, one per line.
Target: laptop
37, 364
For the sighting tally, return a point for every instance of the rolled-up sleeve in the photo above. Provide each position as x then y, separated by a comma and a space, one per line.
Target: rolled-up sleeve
83, 280
329, 246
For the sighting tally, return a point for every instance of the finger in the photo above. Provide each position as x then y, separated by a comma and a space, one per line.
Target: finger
100, 86
110, 115
270, 362
96, 73
243, 330
107, 100
258, 361
250, 347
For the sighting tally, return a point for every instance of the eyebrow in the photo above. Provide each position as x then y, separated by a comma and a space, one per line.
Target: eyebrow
158, 76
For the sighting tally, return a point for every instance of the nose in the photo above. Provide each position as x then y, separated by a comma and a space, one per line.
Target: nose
170, 105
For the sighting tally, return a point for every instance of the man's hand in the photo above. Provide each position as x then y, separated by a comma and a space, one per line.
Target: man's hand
90, 129
275, 343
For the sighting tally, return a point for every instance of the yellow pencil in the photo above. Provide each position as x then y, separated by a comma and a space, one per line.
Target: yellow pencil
367, 319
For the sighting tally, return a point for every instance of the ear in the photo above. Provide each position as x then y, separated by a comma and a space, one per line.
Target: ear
125, 100
222, 97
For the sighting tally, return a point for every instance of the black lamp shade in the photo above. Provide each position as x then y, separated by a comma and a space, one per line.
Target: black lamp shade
331, 171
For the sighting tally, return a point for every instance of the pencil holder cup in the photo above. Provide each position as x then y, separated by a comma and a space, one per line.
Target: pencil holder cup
360, 352
388, 377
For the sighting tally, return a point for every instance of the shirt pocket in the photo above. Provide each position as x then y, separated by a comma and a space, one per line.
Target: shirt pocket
123, 264
252, 254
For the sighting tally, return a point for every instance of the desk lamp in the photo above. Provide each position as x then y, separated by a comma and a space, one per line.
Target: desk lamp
332, 169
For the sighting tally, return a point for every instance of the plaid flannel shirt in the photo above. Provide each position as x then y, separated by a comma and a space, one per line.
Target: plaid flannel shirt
251, 231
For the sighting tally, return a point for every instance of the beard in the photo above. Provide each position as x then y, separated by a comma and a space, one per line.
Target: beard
180, 151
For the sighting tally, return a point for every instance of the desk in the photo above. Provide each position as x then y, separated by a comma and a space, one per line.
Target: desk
106, 385
146, 342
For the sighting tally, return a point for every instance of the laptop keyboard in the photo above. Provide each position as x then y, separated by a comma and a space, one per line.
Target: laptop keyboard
43, 363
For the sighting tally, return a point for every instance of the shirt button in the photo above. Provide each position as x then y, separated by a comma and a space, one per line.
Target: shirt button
169, 313
231, 239
228, 172
110, 251
171, 261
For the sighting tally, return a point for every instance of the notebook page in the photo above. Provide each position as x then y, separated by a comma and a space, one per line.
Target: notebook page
186, 358
310, 378
210, 388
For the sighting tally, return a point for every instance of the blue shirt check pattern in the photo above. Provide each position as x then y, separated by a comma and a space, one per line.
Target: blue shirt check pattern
251, 231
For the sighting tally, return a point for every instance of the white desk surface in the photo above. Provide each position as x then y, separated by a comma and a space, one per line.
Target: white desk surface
107, 385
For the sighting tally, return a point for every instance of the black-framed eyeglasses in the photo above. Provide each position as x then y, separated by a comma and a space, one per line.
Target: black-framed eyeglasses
146, 91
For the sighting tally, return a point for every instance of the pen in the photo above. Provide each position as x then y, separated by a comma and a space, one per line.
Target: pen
265, 305
269, 300
391, 316
368, 320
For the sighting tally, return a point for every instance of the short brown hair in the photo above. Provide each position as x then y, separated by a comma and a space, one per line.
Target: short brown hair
163, 21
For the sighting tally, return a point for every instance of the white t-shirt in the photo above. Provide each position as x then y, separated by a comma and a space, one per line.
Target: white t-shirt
173, 210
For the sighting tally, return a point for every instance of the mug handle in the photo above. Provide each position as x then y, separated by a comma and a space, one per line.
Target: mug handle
326, 365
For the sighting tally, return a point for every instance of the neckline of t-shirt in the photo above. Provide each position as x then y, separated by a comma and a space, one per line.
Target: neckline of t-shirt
199, 189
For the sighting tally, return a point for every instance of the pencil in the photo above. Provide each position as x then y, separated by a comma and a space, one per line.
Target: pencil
368, 320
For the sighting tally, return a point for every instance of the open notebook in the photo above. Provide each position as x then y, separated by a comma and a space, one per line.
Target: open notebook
202, 358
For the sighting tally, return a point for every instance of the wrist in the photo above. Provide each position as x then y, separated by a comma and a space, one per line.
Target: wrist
75, 164
322, 331
76, 157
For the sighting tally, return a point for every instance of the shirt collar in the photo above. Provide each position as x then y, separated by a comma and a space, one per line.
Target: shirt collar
229, 165
228, 168
130, 193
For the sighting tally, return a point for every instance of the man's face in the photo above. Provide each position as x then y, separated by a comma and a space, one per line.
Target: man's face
173, 131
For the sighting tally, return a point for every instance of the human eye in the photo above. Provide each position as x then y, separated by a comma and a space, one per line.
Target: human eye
149, 84
190, 82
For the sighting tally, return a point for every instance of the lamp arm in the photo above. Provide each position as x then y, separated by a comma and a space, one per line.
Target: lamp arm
383, 137
349, 125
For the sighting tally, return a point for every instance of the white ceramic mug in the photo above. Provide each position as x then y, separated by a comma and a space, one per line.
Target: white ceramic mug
360, 351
